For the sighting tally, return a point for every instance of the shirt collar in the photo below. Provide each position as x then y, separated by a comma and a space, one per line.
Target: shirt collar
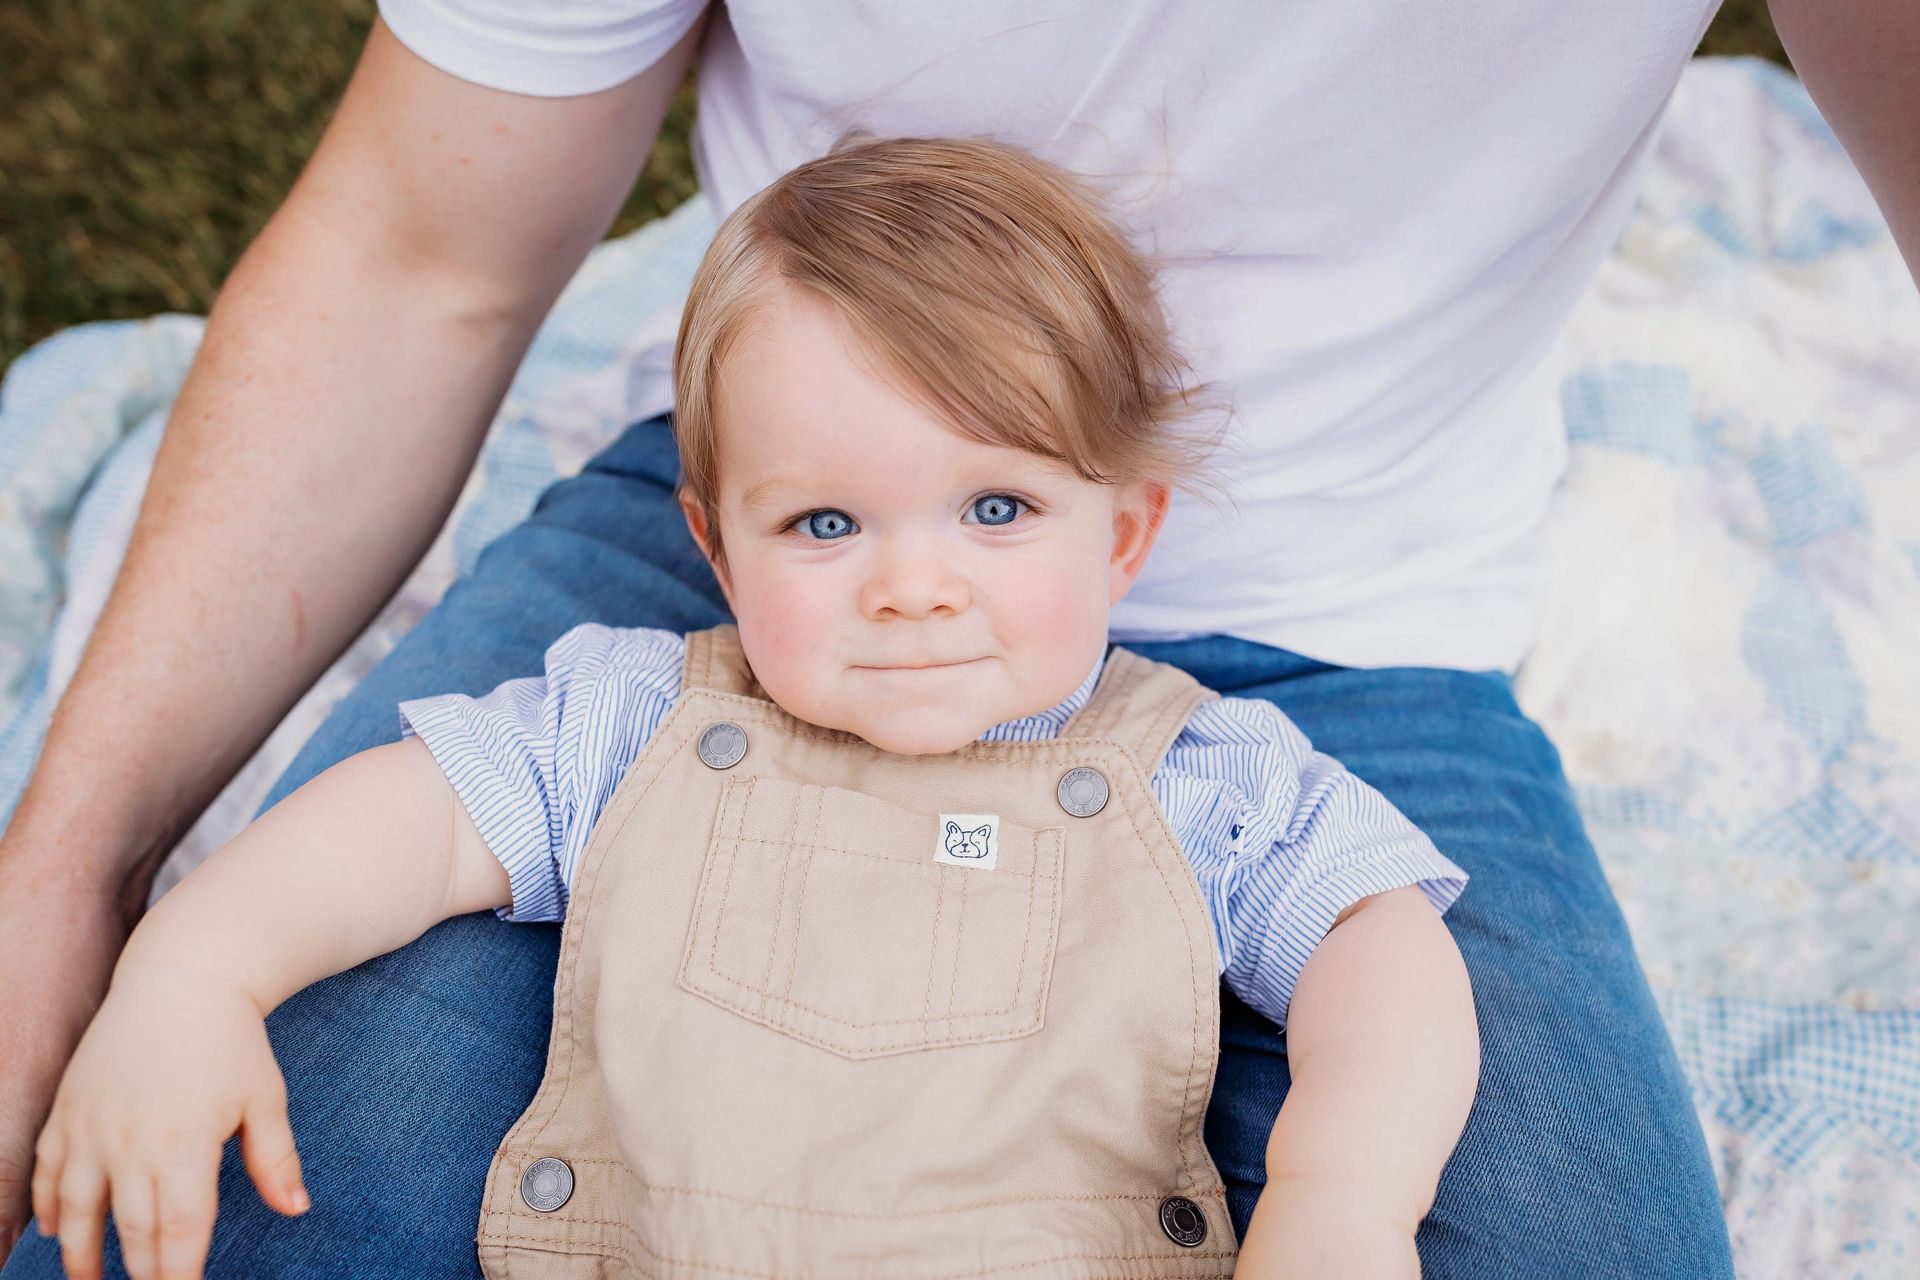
1048, 723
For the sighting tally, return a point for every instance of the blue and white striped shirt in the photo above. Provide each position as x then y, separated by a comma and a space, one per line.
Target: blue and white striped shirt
1281, 838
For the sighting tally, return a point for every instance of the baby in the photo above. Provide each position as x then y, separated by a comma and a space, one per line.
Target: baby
895, 911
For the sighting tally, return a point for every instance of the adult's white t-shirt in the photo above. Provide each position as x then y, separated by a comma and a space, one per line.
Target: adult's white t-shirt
1373, 219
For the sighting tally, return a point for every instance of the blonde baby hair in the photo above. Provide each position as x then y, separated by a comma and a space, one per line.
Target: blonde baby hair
987, 281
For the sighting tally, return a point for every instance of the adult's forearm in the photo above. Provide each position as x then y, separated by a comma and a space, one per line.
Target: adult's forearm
321, 437
1857, 58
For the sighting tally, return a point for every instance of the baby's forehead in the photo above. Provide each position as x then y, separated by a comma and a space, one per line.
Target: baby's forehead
771, 475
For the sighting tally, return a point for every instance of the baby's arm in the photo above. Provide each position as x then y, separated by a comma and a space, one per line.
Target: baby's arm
359, 861
1384, 1051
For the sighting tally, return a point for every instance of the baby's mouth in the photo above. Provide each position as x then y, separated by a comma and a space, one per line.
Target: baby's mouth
919, 666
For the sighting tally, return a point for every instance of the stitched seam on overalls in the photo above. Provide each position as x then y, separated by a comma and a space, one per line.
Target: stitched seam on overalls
1158, 734
780, 890
1102, 708
625, 1255
745, 792
901, 863
1058, 862
959, 949
1168, 726
701, 651
650, 1272
508, 1245
933, 946
800, 904
969, 1206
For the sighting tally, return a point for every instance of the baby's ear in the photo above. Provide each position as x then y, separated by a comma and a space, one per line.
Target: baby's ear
695, 515
1139, 509
696, 518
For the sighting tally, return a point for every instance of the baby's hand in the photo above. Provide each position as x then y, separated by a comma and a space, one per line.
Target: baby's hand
172, 1065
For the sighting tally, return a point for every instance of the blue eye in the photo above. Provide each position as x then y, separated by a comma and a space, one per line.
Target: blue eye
998, 509
827, 526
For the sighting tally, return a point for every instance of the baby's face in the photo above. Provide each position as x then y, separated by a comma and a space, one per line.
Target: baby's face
889, 576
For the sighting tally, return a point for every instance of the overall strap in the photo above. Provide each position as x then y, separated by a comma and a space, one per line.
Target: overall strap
1140, 704
716, 662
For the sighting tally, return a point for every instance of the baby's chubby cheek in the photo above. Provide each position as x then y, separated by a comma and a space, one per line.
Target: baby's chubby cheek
1055, 613
789, 643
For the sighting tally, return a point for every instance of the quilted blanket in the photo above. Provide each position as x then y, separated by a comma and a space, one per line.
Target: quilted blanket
1727, 657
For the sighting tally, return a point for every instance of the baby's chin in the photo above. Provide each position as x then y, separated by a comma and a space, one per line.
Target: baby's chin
910, 733
922, 739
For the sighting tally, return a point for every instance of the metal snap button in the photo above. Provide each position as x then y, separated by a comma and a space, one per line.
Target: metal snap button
1083, 792
722, 744
548, 1182
1183, 1222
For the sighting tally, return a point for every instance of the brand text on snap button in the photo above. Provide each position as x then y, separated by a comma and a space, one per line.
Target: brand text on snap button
1183, 1222
722, 744
1083, 792
546, 1184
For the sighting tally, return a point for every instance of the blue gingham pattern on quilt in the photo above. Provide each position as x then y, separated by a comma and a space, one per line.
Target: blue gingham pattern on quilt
1727, 655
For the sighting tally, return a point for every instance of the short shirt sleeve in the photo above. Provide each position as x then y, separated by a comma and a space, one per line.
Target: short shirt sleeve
550, 49
1282, 839
536, 760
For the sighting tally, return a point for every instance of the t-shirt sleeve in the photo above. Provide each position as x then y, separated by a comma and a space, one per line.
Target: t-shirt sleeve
536, 760
550, 49
1283, 839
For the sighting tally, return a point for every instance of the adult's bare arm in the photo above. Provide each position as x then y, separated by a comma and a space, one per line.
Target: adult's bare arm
1858, 59
351, 364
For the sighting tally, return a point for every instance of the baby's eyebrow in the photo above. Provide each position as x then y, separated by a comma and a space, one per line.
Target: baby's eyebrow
762, 494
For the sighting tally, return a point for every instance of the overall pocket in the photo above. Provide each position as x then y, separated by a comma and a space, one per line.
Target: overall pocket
823, 915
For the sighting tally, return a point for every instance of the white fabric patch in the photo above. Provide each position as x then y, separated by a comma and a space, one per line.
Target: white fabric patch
968, 840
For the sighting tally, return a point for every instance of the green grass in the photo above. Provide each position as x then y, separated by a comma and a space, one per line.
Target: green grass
143, 145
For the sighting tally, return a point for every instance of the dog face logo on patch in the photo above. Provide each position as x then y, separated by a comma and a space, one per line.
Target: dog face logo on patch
967, 844
968, 840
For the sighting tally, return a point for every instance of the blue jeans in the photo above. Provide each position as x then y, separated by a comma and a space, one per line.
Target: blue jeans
1582, 1155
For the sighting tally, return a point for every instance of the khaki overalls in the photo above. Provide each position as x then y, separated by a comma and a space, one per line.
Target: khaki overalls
827, 1012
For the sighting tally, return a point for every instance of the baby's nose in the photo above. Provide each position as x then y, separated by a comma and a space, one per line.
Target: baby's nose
913, 582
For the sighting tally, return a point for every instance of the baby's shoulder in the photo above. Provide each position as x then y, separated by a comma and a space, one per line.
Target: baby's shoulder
1244, 748
596, 642
594, 655
1225, 722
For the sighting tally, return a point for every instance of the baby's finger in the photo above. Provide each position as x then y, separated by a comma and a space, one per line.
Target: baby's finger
83, 1201
184, 1198
49, 1157
266, 1144
133, 1219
